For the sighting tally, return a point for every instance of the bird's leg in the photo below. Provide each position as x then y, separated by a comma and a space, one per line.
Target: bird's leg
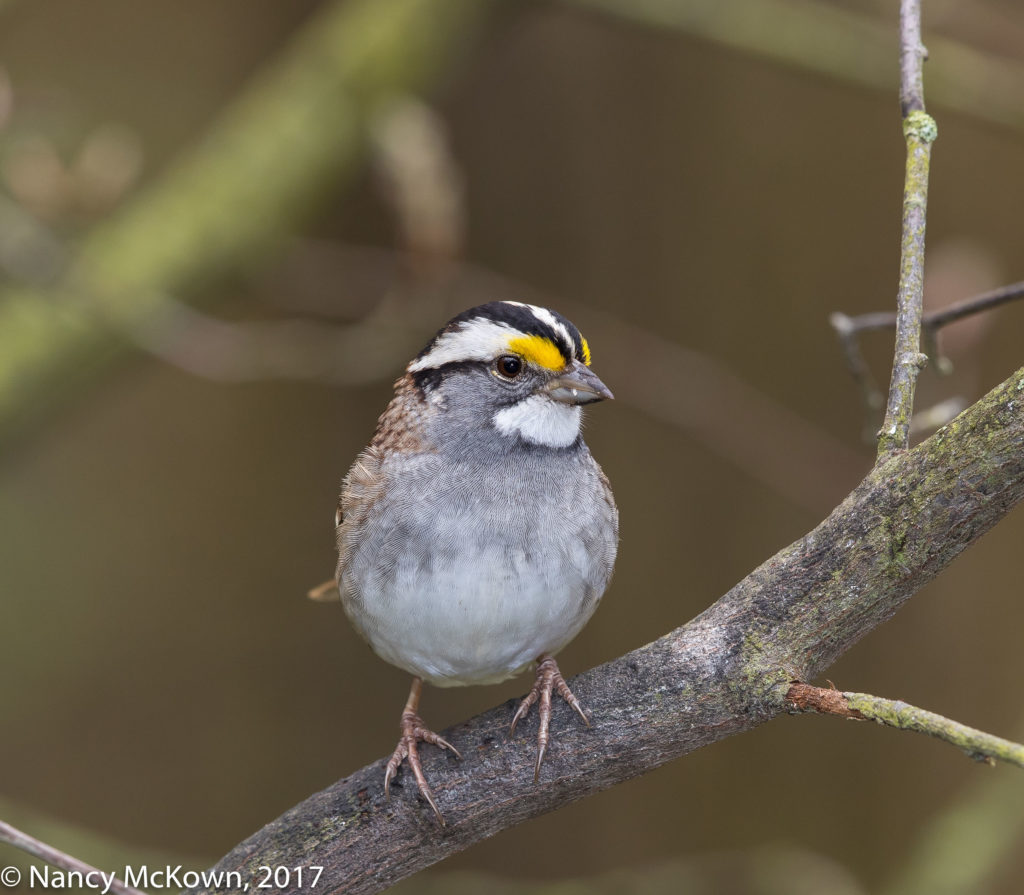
414, 731
549, 678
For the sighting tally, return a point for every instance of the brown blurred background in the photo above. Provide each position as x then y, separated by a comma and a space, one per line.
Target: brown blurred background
678, 191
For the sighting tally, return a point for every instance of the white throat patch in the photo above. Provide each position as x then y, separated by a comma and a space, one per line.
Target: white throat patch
540, 420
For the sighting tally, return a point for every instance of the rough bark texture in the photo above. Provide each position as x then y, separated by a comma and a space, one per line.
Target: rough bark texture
808, 698
725, 672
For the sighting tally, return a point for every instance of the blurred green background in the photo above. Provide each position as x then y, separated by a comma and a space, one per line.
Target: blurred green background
702, 189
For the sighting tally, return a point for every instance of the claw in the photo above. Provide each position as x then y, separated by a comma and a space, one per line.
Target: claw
414, 731
524, 708
549, 679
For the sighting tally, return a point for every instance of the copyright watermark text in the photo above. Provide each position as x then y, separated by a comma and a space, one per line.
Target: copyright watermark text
166, 877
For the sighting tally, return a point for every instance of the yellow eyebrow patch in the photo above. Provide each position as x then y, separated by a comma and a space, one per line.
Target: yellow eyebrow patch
586, 351
538, 350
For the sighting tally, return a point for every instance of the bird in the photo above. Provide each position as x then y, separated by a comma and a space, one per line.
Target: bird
476, 534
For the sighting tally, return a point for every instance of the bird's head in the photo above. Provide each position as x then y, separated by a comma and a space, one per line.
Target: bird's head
511, 371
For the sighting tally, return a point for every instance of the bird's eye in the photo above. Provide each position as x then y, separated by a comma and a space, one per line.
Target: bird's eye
510, 366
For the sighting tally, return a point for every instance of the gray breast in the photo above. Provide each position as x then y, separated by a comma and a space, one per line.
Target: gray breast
469, 570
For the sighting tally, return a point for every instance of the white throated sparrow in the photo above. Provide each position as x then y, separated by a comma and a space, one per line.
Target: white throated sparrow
476, 533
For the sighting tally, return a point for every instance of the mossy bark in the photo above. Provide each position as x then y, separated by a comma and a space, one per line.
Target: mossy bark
920, 132
976, 743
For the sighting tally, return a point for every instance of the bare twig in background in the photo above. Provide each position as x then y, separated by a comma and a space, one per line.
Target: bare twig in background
95, 879
723, 673
896, 713
855, 363
970, 306
920, 132
847, 329
423, 185
935, 320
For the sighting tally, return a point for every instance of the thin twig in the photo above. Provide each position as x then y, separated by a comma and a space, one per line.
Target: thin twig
848, 329
933, 320
912, 56
977, 744
920, 132
975, 305
106, 881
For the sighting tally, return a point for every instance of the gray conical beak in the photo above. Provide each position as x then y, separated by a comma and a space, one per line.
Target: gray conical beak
578, 385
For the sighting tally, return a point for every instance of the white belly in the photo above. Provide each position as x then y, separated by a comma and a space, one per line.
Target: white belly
479, 619
475, 590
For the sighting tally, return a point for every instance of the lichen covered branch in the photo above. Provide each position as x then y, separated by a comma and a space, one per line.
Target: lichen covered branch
896, 713
920, 132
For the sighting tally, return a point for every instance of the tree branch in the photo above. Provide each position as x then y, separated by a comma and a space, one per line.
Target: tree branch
920, 132
896, 713
106, 880
912, 55
723, 673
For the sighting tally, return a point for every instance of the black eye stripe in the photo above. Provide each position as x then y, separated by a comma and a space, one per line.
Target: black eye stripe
432, 377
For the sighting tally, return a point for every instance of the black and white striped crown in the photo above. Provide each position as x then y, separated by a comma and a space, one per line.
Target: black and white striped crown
484, 333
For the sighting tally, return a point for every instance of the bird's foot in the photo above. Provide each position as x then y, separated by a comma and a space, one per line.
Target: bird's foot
414, 731
549, 679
